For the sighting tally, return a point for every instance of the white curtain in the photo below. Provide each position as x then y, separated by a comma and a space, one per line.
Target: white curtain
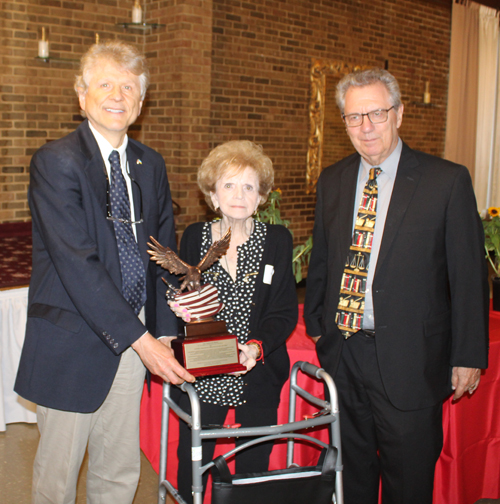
473, 114
487, 165
460, 142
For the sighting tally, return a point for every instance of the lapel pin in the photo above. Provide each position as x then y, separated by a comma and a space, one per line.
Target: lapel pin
139, 161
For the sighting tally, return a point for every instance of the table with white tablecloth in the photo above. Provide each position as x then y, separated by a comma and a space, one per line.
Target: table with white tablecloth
13, 304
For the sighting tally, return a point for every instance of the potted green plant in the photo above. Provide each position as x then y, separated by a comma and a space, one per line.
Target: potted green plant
271, 214
491, 225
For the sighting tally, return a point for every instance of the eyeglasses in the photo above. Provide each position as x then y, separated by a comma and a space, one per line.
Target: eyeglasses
375, 116
108, 204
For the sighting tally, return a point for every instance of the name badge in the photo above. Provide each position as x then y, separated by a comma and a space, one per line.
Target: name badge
268, 274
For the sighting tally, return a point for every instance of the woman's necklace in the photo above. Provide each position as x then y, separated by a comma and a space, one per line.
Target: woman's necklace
225, 255
225, 258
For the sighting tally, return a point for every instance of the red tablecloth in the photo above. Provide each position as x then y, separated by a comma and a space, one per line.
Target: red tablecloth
469, 466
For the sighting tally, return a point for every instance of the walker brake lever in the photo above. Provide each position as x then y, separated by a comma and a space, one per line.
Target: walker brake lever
324, 411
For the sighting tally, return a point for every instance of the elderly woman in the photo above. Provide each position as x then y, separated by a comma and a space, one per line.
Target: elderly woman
255, 282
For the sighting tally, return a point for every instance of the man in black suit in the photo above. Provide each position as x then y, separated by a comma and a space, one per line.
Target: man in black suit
96, 302
410, 322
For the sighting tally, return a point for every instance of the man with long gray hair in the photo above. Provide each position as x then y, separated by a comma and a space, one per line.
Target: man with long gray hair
96, 302
397, 295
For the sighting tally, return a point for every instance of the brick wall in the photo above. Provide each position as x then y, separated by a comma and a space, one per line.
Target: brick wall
178, 107
221, 69
262, 54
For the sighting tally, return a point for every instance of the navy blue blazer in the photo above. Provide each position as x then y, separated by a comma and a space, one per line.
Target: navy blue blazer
78, 321
430, 289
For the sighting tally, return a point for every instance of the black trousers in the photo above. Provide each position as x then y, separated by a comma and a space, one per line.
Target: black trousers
379, 439
254, 459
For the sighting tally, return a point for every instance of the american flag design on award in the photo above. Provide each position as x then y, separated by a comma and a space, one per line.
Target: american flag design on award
349, 317
201, 305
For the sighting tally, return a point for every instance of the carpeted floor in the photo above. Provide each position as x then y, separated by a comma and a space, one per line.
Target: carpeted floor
17, 452
15, 261
15, 254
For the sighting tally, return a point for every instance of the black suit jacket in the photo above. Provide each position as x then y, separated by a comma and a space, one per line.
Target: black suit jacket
430, 290
78, 321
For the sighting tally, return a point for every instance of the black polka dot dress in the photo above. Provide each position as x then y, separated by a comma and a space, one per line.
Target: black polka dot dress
228, 390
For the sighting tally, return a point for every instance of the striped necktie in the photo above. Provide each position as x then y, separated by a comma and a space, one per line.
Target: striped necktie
350, 310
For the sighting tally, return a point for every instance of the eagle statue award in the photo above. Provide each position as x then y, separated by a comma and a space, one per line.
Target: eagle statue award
206, 347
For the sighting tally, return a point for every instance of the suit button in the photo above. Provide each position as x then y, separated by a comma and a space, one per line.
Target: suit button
111, 341
115, 345
108, 337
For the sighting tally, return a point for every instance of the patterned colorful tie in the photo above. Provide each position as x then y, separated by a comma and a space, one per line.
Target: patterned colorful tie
349, 317
131, 265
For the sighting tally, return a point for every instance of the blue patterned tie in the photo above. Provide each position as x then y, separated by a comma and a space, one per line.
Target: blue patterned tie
132, 268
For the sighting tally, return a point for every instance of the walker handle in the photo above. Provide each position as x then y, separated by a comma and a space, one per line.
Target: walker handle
310, 369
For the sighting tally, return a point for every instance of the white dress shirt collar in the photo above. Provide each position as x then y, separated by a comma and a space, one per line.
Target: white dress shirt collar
106, 148
389, 166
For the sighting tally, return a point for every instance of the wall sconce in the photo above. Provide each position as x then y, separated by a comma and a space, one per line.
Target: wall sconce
137, 13
43, 45
138, 19
427, 93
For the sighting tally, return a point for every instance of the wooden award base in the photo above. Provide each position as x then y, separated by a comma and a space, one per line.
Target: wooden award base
208, 349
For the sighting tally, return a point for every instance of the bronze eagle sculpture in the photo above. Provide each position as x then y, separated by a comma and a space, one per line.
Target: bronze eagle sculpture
169, 260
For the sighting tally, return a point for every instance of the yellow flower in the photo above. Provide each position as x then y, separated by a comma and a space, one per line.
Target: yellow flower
278, 190
494, 211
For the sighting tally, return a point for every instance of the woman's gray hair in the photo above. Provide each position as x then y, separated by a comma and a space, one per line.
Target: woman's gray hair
122, 54
366, 78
